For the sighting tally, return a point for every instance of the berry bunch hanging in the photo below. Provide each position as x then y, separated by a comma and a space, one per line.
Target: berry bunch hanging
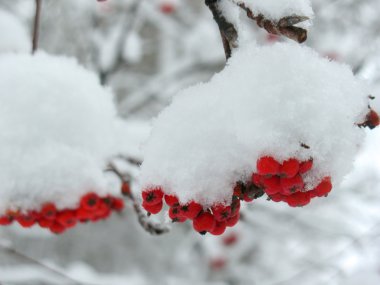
90, 208
213, 220
279, 121
58, 134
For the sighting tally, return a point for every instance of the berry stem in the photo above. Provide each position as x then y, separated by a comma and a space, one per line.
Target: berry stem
36, 25
146, 224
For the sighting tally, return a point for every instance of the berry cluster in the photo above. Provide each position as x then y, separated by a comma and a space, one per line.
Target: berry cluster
91, 208
213, 220
280, 181
284, 182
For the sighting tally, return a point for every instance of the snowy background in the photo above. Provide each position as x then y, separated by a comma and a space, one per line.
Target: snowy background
146, 51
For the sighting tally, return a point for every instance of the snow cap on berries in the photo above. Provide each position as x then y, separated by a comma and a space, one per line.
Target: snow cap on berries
58, 129
284, 101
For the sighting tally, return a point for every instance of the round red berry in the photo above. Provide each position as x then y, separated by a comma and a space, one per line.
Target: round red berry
233, 220
57, 228
5, 220
323, 188
90, 201
289, 168
125, 189
221, 212
267, 165
48, 211
277, 197
291, 185
298, 199
204, 222
26, 221
171, 200
45, 223
191, 210
305, 166
272, 185
67, 218
117, 204
219, 229
153, 209
152, 196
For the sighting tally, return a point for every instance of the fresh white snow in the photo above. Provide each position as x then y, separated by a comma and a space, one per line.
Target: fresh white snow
267, 101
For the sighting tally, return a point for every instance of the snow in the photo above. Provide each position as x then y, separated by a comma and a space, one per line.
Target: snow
132, 48
58, 128
267, 101
276, 9
14, 36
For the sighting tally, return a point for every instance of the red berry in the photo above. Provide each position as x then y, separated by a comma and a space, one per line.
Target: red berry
167, 8
103, 211
220, 228
152, 196
272, 185
233, 220
218, 263
57, 228
289, 168
291, 185
67, 218
117, 204
248, 198
305, 166
45, 223
323, 188
277, 197
5, 220
230, 239
221, 212
176, 215
125, 189
205, 222
298, 199
26, 221
84, 215
267, 165
171, 200
153, 209
257, 179
191, 210
372, 119
90, 201
48, 211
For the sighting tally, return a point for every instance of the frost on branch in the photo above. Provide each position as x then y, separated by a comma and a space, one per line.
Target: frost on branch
58, 128
275, 9
284, 102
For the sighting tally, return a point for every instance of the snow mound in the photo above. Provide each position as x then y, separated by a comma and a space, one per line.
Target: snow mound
14, 37
58, 127
276, 9
267, 101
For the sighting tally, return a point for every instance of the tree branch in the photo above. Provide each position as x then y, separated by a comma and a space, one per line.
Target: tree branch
36, 25
14, 252
285, 26
227, 30
146, 224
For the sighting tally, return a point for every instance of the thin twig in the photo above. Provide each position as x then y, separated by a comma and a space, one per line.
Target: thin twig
227, 30
146, 224
284, 26
36, 25
14, 252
